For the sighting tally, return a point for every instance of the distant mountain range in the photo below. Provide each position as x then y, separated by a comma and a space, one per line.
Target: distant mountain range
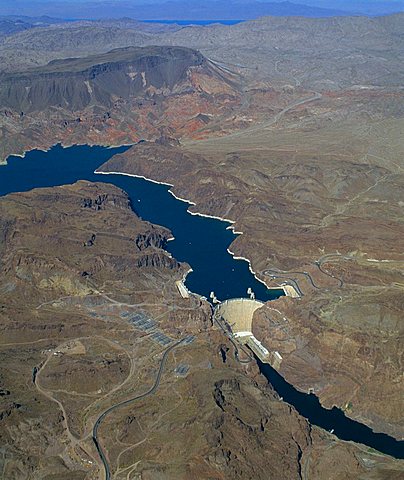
227, 10
195, 9
363, 7
18, 23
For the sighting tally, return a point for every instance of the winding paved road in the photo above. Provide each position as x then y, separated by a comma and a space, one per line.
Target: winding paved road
290, 280
285, 276
268, 123
324, 259
151, 391
328, 258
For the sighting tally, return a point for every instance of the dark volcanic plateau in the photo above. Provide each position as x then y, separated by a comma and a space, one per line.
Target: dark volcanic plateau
74, 84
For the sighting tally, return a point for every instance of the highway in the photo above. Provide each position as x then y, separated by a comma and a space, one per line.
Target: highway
258, 127
268, 123
328, 258
151, 391
324, 259
285, 276
340, 281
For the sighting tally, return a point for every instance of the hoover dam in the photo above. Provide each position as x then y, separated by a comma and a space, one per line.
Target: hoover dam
202, 242
236, 317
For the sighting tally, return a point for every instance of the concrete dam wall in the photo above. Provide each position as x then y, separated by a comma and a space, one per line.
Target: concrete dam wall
238, 313
237, 316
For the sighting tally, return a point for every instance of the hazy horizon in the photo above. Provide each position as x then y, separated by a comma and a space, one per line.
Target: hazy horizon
196, 9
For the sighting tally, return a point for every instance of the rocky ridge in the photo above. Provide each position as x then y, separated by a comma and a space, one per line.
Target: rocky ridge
345, 333
118, 97
76, 355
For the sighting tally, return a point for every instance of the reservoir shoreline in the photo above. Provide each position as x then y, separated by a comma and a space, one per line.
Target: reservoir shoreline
214, 217
68, 165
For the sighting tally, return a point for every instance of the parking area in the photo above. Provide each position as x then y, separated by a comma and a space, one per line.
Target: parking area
142, 321
161, 338
139, 320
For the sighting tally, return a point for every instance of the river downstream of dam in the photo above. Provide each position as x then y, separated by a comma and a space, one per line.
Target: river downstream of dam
200, 241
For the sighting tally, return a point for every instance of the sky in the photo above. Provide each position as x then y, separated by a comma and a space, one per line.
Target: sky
319, 3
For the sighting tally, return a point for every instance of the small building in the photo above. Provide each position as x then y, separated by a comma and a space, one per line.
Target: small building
184, 292
257, 347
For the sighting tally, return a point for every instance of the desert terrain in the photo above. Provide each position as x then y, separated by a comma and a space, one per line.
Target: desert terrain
69, 352
302, 151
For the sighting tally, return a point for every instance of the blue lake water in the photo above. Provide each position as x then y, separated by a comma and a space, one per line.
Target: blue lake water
200, 241
195, 22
